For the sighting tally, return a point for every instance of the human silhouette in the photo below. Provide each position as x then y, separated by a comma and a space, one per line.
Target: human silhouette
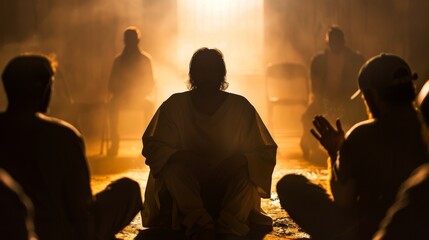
369, 164
210, 156
46, 156
408, 217
17, 212
333, 74
131, 81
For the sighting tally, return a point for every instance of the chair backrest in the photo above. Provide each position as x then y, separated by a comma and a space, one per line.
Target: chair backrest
287, 83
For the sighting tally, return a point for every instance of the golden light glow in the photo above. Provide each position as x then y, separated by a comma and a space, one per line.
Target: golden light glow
233, 26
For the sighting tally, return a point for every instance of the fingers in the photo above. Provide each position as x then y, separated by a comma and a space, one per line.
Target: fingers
315, 134
318, 125
327, 124
339, 126
322, 124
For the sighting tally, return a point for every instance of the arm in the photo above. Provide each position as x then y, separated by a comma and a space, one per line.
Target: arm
410, 212
342, 189
190, 158
329, 137
317, 72
114, 77
147, 75
260, 154
77, 190
160, 140
232, 165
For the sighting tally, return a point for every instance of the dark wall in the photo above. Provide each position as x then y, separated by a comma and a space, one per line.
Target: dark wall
86, 34
294, 30
419, 38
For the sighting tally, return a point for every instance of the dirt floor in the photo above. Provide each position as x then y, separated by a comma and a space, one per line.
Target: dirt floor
130, 163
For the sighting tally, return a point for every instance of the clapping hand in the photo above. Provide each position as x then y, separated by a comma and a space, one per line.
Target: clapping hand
330, 138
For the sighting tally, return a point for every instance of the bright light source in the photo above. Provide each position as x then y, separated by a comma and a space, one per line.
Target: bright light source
233, 26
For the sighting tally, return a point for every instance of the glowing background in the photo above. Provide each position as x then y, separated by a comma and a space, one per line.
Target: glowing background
235, 27
85, 35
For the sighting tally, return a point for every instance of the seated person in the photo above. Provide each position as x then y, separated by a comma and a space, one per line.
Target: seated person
210, 156
369, 164
333, 74
17, 213
47, 157
408, 218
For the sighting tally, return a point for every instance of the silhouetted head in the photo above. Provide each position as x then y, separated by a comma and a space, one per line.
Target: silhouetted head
335, 39
388, 79
207, 70
27, 80
131, 36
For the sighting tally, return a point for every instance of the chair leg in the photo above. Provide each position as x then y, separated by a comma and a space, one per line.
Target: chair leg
105, 134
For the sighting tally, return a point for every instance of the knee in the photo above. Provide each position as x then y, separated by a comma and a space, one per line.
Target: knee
174, 170
237, 179
290, 185
127, 186
239, 175
290, 182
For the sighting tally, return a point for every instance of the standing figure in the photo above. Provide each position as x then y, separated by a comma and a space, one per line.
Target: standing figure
130, 83
333, 80
210, 156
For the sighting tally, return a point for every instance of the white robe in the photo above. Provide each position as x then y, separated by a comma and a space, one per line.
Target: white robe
235, 128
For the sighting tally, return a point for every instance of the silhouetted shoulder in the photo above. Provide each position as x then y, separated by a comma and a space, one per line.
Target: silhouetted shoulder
146, 55
361, 129
354, 55
58, 125
117, 58
318, 57
241, 100
177, 98
176, 103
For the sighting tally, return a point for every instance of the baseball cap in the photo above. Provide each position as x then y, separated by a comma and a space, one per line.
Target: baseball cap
382, 71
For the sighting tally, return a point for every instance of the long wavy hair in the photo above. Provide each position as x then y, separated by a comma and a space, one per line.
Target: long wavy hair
207, 63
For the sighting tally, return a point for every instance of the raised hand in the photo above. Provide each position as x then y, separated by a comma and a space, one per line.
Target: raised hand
330, 138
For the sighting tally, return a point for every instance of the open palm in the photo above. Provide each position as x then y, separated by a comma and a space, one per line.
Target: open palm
330, 138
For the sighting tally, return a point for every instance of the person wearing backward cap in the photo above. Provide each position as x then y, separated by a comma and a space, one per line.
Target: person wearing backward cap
368, 164
408, 217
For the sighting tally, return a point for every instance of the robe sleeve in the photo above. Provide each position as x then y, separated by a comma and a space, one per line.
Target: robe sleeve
261, 155
160, 140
